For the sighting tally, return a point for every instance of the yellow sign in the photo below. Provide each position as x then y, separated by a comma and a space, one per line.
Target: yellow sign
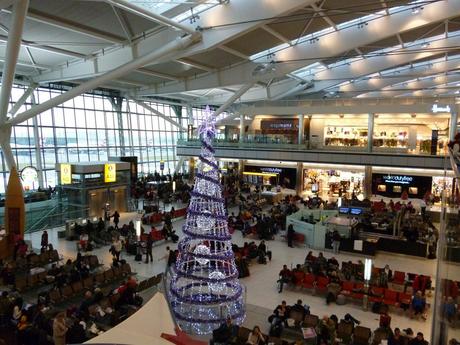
66, 173
110, 172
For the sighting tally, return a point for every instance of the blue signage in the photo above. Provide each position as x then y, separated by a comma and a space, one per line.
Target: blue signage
398, 179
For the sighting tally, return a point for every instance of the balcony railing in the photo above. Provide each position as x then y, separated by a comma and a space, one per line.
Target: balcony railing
273, 144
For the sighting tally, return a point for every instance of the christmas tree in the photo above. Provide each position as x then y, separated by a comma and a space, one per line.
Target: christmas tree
204, 288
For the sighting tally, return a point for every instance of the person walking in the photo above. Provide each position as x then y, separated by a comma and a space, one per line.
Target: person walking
59, 329
44, 240
336, 241
148, 249
290, 235
116, 219
117, 247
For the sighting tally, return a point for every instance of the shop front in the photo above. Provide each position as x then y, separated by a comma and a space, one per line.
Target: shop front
270, 176
404, 133
401, 186
329, 183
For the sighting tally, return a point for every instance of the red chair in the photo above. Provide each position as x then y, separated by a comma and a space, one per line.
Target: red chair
376, 294
321, 284
391, 298
404, 298
298, 278
347, 288
157, 235
399, 277
309, 281
359, 294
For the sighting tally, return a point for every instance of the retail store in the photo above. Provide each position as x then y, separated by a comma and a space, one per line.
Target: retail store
327, 183
270, 176
405, 133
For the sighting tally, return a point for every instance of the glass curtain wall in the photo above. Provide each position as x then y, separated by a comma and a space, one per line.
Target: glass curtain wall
88, 129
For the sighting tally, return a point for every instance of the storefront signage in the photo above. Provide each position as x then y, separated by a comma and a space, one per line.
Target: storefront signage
66, 173
110, 172
399, 179
279, 126
440, 109
271, 170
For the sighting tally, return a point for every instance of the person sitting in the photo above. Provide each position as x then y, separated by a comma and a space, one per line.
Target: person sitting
333, 288
418, 340
450, 309
227, 333
300, 308
282, 311
256, 337
348, 319
285, 276
396, 338
418, 305
332, 263
262, 249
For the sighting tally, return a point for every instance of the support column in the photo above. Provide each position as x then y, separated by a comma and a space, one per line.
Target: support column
241, 128
38, 149
453, 125
116, 105
300, 139
370, 132
11, 55
367, 183
299, 178
5, 137
240, 167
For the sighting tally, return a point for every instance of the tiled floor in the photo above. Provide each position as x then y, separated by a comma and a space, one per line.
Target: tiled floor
262, 295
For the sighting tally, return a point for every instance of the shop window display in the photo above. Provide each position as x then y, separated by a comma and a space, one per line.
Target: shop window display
345, 136
332, 183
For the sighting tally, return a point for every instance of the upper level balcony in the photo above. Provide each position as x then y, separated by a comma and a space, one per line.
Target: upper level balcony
285, 151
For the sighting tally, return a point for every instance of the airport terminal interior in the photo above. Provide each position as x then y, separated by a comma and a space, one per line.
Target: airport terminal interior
262, 172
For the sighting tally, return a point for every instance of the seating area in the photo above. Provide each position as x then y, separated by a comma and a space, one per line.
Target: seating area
385, 288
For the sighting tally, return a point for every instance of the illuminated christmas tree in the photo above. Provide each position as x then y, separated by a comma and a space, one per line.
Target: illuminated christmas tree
204, 288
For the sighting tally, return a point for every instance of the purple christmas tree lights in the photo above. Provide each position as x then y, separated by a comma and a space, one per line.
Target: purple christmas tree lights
204, 288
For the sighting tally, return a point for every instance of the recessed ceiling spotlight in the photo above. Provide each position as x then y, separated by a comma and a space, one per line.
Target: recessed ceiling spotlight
425, 45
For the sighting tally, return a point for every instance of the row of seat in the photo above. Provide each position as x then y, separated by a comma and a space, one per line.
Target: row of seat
354, 290
100, 278
150, 282
23, 282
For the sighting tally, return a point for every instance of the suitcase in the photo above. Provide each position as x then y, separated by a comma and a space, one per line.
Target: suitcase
138, 257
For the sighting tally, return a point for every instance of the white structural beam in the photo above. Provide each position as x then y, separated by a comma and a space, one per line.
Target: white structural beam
232, 99
123, 24
306, 53
387, 79
348, 106
49, 49
11, 55
237, 11
195, 65
150, 15
156, 112
415, 87
115, 73
62, 23
276, 34
332, 77
14, 109
234, 52
28, 64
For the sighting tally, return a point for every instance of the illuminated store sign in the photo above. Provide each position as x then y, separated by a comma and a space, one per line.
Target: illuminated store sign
271, 170
399, 179
110, 172
66, 173
440, 109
